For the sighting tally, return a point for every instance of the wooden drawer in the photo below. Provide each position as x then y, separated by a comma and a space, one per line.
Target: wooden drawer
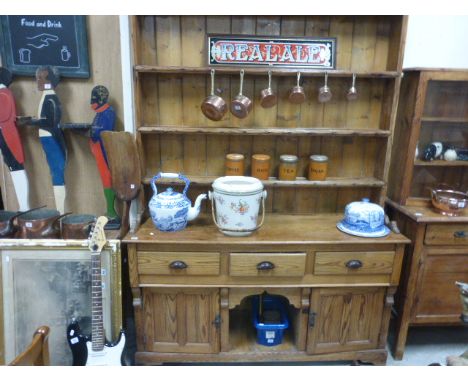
450, 234
354, 263
267, 264
179, 263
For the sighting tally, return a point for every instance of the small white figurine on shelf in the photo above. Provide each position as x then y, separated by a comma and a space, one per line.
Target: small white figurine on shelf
450, 154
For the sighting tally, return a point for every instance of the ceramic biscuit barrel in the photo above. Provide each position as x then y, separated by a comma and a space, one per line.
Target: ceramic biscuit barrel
235, 203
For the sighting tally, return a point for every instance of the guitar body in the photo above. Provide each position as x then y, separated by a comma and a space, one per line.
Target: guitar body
83, 353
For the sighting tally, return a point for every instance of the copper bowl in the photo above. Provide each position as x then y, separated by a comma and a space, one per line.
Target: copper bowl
449, 202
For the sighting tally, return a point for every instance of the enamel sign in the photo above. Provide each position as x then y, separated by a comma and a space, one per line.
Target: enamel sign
314, 53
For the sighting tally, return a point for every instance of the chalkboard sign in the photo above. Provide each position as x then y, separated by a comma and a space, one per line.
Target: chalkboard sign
27, 42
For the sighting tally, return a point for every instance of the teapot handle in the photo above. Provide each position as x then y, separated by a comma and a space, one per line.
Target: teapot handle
170, 175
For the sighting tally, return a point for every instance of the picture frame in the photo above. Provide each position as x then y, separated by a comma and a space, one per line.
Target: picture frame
27, 42
48, 282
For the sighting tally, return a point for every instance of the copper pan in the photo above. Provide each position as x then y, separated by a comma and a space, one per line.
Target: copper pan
213, 107
40, 224
77, 226
8, 227
297, 93
267, 97
241, 104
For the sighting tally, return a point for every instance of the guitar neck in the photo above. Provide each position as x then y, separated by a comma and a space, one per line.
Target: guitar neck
97, 322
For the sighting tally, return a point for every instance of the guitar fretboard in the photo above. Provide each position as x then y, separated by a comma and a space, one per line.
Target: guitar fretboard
97, 326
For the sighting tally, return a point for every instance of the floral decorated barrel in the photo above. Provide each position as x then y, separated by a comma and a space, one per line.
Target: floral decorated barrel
235, 203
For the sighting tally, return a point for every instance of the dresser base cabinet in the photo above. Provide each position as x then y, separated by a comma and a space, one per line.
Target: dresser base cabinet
436, 259
204, 313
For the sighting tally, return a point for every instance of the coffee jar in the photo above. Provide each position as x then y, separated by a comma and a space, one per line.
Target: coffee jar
234, 165
288, 167
261, 166
318, 167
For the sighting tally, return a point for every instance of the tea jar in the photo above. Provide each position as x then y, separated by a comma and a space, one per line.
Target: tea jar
234, 165
287, 167
261, 166
318, 167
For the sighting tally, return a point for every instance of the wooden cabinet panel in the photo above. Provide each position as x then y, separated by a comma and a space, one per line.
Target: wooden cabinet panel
267, 264
344, 319
438, 297
179, 321
353, 263
446, 234
178, 263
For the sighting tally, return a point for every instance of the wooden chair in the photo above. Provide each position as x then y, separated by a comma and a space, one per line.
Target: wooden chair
37, 353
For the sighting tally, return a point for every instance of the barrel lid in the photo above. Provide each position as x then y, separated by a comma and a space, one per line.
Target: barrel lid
288, 158
261, 157
237, 185
319, 158
235, 157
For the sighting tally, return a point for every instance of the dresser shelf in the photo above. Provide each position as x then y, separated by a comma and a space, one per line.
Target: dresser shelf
261, 71
442, 163
288, 131
275, 182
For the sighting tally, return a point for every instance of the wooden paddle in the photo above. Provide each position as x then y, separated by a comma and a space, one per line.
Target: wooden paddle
124, 165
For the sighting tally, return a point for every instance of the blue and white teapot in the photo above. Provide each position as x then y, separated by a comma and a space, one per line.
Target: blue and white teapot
364, 219
171, 210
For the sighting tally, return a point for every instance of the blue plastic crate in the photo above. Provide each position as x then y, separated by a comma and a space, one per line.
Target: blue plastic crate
270, 334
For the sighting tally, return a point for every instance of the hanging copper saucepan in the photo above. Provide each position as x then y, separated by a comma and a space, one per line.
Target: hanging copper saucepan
297, 93
325, 93
267, 97
213, 107
241, 104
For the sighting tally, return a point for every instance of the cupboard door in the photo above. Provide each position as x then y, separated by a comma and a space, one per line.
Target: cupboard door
344, 319
181, 320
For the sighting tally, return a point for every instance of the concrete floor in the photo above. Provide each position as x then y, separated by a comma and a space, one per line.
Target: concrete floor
426, 345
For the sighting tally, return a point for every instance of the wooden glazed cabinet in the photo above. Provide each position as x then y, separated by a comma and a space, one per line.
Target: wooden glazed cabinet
433, 107
202, 311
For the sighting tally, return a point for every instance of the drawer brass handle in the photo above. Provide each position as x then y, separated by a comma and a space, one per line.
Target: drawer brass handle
354, 264
177, 265
459, 234
265, 266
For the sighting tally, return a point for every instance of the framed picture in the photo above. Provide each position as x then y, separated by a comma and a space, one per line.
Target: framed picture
51, 285
27, 42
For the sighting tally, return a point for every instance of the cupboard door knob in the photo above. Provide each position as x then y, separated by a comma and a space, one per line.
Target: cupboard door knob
177, 265
265, 266
354, 264
459, 234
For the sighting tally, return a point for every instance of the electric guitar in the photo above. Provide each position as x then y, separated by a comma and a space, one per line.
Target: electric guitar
95, 350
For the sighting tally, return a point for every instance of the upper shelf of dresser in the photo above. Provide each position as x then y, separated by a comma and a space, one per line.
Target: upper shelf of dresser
278, 229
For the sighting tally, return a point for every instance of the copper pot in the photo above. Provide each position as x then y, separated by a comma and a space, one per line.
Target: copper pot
8, 227
325, 93
297, 93
40, 224
267, 97
213, 107
241, 104
449, 202
77, 226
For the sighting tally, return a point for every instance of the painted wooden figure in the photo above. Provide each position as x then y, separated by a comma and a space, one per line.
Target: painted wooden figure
104, 120
10, 141
50, 133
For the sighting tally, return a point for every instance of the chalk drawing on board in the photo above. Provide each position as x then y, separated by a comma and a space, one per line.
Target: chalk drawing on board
25, 55
65, 54
41, 40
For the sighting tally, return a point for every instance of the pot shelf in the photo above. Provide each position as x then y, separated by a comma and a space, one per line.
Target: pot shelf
293, 131
274, 182
305, 72
441, 163
444, 120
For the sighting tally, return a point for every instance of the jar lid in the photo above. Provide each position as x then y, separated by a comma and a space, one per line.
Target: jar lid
261, 157
288, 158
319, 158
237, 185
235, 157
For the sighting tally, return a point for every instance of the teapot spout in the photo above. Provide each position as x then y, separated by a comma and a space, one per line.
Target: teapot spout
195, 210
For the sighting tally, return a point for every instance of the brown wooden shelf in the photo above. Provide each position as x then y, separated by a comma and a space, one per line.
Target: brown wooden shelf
274, 182
441, 163
444, 120
319, 131
261, 71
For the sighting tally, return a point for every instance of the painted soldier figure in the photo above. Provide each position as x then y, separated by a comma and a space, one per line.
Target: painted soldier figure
10, 141
50, 134
104, 120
